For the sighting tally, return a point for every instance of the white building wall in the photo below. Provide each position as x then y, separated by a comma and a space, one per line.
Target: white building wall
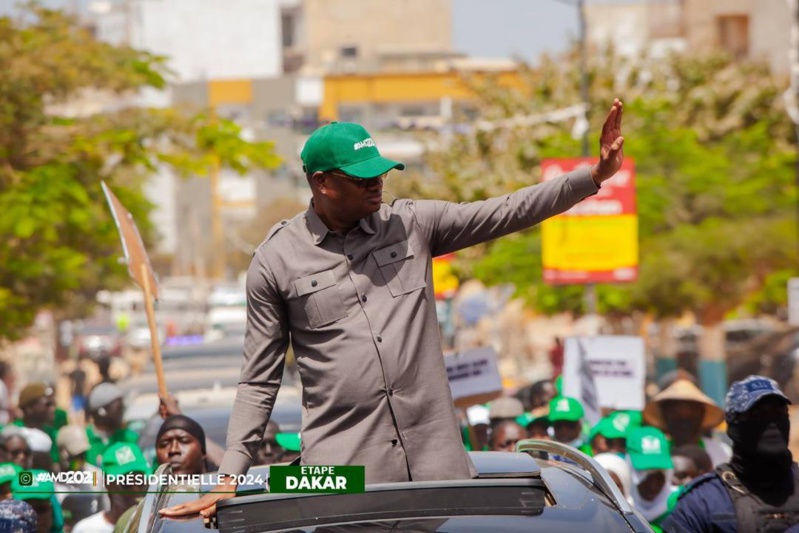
204, 39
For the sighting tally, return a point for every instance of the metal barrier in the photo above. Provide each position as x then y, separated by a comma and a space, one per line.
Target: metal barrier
599, 475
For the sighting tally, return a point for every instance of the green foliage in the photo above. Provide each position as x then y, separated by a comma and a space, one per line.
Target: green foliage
58, 242
715, 171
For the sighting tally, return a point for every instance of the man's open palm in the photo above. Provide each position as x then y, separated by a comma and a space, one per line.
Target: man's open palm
611, 143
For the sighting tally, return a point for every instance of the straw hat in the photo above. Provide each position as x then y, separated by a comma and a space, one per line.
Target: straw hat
684, 390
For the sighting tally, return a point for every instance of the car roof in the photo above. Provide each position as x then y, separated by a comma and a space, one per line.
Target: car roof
513, 492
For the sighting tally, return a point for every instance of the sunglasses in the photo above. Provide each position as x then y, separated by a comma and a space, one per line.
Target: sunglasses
362, 183
20, 451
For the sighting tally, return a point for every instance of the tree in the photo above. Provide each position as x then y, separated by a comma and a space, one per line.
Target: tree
715, 170
58, 242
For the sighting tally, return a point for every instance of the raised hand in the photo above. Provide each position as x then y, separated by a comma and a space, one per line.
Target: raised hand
611, 145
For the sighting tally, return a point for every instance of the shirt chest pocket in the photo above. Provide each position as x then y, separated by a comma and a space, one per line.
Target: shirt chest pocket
399, 270
319, 297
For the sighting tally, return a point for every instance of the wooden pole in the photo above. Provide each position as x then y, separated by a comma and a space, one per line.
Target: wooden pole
154, 339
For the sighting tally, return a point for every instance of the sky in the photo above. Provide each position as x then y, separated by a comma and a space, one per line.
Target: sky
484, 28
508, 28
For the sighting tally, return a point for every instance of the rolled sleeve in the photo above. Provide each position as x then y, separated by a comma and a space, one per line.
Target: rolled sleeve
265, 344
450, 227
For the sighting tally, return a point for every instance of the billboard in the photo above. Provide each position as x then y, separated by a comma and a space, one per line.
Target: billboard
596, 241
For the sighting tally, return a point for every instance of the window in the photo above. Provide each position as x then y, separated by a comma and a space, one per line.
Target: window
349, 52
733, 34
287, 26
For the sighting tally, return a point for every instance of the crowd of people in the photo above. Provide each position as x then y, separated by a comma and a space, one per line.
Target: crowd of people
684, 463
40, 438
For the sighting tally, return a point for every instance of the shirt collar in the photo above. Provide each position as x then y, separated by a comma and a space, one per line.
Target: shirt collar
319, 229
366, 224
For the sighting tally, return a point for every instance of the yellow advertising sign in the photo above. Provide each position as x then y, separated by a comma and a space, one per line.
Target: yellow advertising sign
590, 243
445, 283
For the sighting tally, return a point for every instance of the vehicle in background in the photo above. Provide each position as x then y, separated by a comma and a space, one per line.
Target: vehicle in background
227, 295
227, 311
138, 335
96, 340
225, 322
513, 492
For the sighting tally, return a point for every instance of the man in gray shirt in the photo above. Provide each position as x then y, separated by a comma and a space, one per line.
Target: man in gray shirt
348, 283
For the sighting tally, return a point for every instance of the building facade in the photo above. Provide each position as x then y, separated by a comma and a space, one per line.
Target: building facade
747, 29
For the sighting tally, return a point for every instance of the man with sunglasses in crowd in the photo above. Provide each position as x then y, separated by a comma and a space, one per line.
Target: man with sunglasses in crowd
37, 403
348, 282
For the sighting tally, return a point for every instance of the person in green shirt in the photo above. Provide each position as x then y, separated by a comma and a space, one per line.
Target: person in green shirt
8, 473
119, 459
107, 411
609, 435
536, 422
652, 470
37, 403
566, 416
40, 494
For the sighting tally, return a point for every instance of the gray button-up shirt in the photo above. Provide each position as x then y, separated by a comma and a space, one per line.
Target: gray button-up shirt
359, 310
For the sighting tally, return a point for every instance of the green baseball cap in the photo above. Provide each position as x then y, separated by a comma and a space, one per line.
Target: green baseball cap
348, 147
289, 441
634, 419
648, 449
565, 408
123, 458
34, 486
604, 428
8, 472
616, 425
539, 414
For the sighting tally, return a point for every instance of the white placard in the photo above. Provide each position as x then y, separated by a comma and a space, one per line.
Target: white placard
793, 301
473, 375
618, 366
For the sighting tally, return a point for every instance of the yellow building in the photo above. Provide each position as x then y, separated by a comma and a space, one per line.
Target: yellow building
403, 99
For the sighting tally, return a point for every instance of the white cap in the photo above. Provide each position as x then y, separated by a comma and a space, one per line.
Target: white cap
38, 440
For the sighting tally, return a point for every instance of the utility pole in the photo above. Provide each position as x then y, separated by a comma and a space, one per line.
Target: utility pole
589, 296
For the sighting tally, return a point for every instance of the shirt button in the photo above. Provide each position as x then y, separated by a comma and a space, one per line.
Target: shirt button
393, 254
349, 256
284, 222
314, 283
379, 338
391, 392
363, 297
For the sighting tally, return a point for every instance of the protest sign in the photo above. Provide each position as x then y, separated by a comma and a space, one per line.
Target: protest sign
473, 376
617, 365
140, 271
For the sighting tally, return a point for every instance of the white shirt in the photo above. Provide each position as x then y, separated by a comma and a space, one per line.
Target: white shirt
95, 523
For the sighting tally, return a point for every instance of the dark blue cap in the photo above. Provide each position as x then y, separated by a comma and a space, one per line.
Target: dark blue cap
747, 392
